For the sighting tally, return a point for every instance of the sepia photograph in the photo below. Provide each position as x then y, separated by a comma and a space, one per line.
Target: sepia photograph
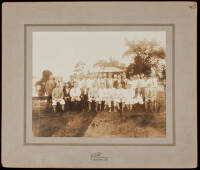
99, 84
82, 88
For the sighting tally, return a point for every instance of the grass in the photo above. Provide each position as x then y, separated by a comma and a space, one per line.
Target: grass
102, 124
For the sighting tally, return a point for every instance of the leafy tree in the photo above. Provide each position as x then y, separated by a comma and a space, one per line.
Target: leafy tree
145, 55
42, 82
78, 68
111, 63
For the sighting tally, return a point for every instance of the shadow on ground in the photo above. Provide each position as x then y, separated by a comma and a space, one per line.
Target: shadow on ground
71, 124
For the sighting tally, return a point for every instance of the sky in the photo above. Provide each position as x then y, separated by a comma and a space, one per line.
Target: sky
60, 51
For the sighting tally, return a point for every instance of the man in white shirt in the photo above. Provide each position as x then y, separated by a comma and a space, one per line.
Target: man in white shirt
120, 98
102, 95
127, 97
75, 94
97, 100
57, 97
109, 82
91, 98
89, 81
109, 98
151, 93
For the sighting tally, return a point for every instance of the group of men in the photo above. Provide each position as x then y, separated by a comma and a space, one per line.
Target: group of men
104, 92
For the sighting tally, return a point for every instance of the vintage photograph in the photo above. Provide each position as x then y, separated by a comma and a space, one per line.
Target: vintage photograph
99, 84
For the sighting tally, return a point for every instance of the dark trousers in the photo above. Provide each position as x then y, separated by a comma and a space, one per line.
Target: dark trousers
67, 104
49, 103
84, 102
76, 105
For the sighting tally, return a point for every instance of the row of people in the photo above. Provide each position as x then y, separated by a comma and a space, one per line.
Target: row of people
101, 96
109, 81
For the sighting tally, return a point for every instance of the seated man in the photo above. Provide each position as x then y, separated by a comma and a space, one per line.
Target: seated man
57, 97
75, 94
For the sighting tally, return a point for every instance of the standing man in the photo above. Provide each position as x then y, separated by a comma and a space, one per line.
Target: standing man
115, 97
66, 91
142, 85
115, 81
91, 98
75, 94
50, 85
124, 80
57, 97
84, 98
151, 93
154, 89
109, 82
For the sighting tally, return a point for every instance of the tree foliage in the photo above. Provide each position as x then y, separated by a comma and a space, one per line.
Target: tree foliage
110, 63
42, 82
78, 68
145, 55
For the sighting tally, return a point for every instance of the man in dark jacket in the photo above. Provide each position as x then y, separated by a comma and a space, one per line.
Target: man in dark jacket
66, 92
49, 86
84, 98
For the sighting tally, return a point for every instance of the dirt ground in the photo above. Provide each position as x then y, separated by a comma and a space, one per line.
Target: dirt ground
102, 124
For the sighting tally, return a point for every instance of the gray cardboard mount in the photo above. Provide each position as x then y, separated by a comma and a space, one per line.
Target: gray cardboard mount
177, 150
